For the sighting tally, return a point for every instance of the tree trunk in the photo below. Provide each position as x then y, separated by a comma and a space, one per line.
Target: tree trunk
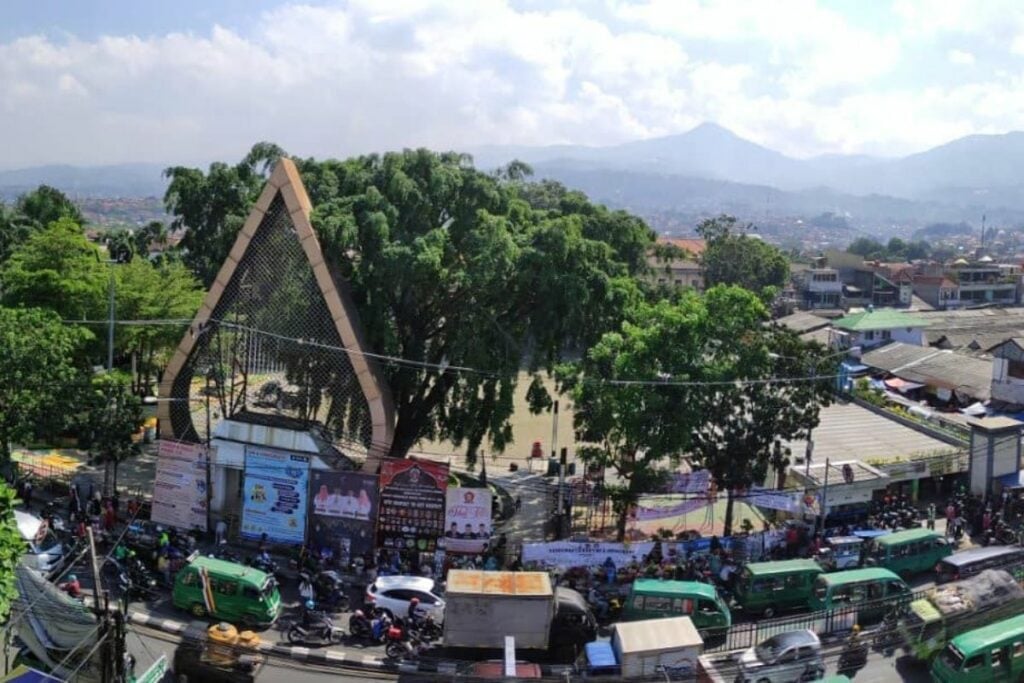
727, 530
116, 464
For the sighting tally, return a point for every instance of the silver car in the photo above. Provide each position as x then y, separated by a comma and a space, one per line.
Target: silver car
788, 657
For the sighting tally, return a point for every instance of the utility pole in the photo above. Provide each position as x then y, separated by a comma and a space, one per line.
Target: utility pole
824, 497
110, 322
209, 463
100, 609
554, 454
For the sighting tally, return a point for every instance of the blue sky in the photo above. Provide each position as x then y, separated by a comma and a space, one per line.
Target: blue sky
109, 81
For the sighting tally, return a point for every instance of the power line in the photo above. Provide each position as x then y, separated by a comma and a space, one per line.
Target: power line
443, 368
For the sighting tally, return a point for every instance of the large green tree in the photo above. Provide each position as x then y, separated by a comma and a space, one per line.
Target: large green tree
45, 205
694, 376
448, 267
732, 256
745, 425
451, 267
37, 371
212, 206
146, 291
15, 227
112, 415
59, 269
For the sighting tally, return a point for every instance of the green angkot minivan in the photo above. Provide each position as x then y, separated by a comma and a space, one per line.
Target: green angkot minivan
241, 595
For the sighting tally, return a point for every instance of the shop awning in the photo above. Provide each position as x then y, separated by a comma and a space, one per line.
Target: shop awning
1013, 480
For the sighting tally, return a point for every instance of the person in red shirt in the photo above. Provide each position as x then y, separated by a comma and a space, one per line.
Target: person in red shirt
71, 586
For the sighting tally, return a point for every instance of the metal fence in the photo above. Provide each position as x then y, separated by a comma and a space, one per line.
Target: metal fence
271, 347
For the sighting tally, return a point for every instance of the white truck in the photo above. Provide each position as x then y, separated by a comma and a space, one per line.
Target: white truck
481, 608
666, 648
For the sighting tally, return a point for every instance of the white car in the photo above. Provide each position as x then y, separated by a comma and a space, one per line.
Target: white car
393, 593
784, 658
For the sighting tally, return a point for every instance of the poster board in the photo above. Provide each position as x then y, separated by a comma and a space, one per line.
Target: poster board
179, 490
274, 495
412, 504
467, 520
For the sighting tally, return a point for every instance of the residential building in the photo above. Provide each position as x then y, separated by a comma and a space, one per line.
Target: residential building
676, 272
685, 271
946, 377
821, 288
938, 291
985, 282
872, 328
1008, 372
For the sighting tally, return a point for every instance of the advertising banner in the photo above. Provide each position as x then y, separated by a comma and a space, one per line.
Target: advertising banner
275, 492
412, 499
690, 482
179, 491
640, 513
467, 520
574, 554
343, 509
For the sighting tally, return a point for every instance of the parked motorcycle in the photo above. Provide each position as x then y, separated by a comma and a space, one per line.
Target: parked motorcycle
329, 590
136, 582
322, 630
428, 629
400, 643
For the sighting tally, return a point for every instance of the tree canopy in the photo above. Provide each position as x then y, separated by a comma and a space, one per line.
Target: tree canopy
686, 377
112, 414
45, 205
59, 269
734, 257
213, 205
37, 370
448, 266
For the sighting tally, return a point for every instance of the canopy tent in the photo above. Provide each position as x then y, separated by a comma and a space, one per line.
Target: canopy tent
902, 385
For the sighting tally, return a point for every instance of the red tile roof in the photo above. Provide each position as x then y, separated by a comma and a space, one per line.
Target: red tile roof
692, 245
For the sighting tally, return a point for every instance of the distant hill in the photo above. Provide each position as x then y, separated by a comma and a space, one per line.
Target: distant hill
122, 180
975, 172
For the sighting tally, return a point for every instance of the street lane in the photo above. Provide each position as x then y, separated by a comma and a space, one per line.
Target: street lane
151, 644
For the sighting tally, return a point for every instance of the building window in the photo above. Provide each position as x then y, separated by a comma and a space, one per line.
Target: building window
679, 283
886, 334
869, 335
1015, 369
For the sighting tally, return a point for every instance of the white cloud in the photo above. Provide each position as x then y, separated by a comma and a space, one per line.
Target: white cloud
960, 57
324, 80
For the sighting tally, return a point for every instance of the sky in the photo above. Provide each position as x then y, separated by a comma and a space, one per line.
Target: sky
192, 81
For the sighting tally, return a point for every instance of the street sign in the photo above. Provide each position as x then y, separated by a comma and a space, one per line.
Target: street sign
155, 673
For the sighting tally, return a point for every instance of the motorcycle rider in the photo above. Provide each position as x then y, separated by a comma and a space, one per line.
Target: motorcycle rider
854, 654
411, 616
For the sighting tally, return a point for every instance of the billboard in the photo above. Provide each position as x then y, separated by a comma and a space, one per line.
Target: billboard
179, 491
343, 512
274, 495
467, 520
412, 504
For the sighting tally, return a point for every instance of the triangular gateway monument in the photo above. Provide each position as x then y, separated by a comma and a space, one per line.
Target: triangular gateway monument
278, 337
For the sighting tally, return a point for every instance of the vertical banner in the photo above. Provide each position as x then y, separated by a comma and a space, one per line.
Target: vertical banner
343, 512
179, 491
275, 492
412, 504
467, 520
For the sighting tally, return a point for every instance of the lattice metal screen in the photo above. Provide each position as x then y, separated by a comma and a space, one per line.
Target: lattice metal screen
271, 346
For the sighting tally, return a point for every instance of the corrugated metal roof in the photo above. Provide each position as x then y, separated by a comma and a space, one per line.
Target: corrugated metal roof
801, 321
498, 583
885, 319
967, 375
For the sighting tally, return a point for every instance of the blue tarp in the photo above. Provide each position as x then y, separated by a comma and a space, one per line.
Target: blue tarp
600, 655
1012, 480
